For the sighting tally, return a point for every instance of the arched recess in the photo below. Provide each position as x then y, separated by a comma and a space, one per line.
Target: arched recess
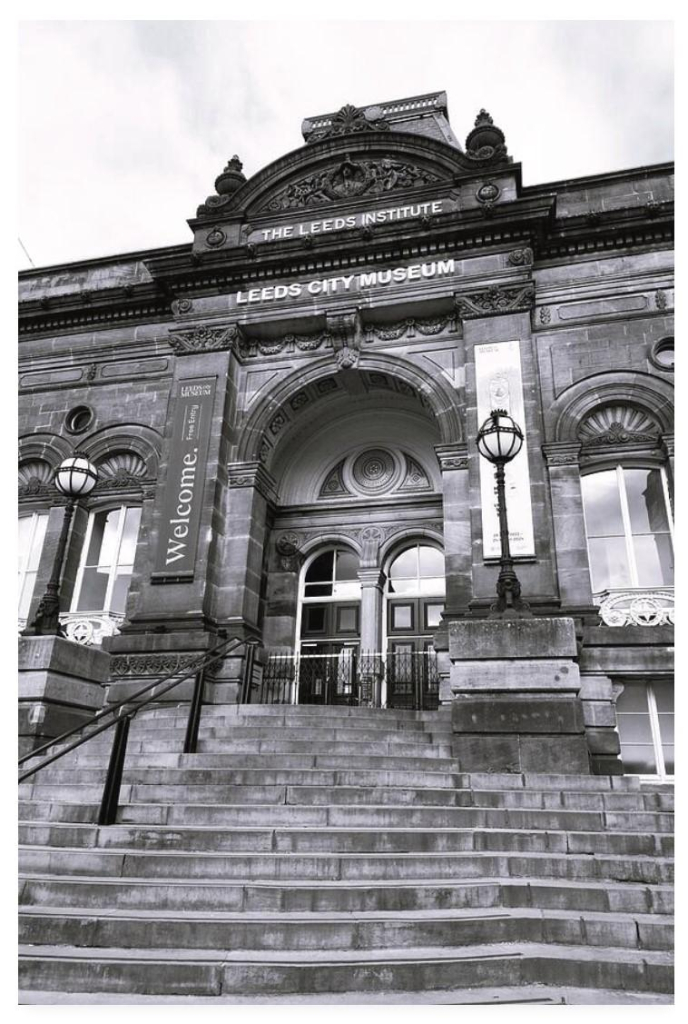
441, 160
278, 412
46, 447
652, 395
134, 438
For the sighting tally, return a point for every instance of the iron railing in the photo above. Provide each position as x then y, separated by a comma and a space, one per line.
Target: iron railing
350, 678
120, 715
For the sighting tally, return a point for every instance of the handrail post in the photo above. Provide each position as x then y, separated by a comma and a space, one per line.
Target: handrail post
113, 780
191, 738
247, 680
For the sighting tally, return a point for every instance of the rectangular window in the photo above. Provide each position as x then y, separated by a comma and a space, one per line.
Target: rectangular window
645, 720
402, 616
30, 544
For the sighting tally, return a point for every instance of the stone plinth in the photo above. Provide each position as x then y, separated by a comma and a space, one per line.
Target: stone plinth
515, 696
61, 685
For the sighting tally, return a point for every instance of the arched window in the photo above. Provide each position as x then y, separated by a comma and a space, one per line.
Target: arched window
31, 536
628, 526
107, 561
334, 574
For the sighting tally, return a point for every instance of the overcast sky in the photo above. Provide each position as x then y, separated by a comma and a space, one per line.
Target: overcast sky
123, 126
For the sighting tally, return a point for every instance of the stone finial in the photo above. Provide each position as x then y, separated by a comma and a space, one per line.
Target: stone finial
485, 143
231, 179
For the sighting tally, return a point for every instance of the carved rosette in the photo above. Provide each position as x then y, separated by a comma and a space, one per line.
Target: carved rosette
495, 301
637, 608
204, 338
288, 550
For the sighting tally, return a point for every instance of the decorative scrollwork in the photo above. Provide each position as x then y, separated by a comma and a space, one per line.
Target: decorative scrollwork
349, 180
493, 301
637, 608
151, 664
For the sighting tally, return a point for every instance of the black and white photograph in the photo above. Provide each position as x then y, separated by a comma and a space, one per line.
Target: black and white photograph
346, 508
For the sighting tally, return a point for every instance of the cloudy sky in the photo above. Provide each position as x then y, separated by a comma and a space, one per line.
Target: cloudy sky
124, 125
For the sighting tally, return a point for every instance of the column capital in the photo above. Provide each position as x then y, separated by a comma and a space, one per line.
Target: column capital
668, 444
452, 456
372, 578
252, 474
562, 453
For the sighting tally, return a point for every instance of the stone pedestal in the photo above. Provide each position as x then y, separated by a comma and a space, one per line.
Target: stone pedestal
515, 696
61, 685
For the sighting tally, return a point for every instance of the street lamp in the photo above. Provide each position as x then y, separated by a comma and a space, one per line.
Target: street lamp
75, 478
500, 439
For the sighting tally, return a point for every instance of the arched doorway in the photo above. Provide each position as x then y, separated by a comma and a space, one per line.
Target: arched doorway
414, 601
329, 627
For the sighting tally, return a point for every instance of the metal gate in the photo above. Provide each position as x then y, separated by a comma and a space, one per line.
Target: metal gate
349, 678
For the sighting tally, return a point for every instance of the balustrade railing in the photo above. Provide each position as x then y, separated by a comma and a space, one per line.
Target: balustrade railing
349, 678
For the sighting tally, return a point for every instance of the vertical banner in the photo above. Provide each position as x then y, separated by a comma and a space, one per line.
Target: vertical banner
181, 516
499, 386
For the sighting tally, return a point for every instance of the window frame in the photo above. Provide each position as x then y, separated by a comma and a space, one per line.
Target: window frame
34, 516
619, 466
112, 575
655, 732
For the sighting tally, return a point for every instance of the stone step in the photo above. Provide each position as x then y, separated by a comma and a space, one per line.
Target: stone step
314, 711
235, 733
342, 840
285, 932
257, 777
229, 722
68, 968
163, 759
82, 806
324, 897
342, 866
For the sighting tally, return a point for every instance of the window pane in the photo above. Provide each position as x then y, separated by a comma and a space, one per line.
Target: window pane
118, 599
347, 620
38, 538
669, 760
633, 698
666, 728
433, 614
405, 565
23, 537
634, 728
646, 502
318, 590
102, 546
433, 585
402, 616
127, 548
314, 618
609, 563
408, 586
347, 565
27, 582
639, 760
93, 590
602, 504
655, 560
431, 562
321, 568
348, 590
664, 696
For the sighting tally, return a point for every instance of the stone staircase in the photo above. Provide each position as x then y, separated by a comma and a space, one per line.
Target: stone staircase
337, 855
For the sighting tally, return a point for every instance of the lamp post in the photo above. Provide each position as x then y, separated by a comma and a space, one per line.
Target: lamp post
500, 439
75, 478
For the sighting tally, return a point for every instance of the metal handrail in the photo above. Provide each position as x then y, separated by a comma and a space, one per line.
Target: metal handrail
197, 669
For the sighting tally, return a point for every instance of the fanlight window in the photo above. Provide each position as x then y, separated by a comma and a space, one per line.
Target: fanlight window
31, 537
628, 525
417, 570
333, 573
108, 561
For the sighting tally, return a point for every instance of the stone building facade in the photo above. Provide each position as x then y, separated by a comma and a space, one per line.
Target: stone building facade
283, 414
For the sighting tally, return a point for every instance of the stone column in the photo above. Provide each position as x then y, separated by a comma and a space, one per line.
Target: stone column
570, 542
453, 461
372, 587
